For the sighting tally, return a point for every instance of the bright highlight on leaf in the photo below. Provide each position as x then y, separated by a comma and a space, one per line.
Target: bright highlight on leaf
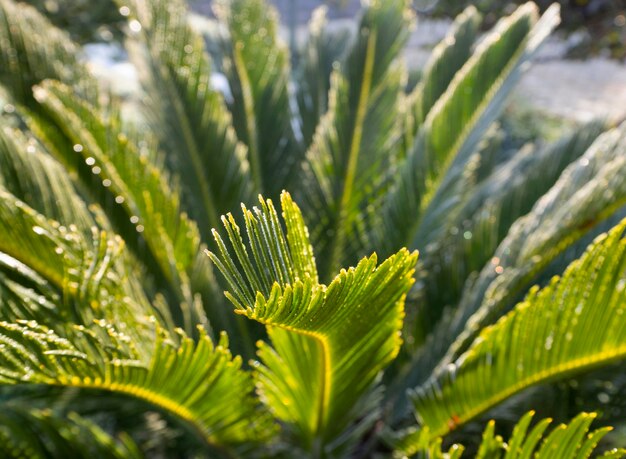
329, 342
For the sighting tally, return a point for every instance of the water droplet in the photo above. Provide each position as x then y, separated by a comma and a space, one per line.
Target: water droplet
30, 149
106, 183
568, 336
140, 228
9, 108
495, 261
188, 49
549, 342
134, 219
134, 26
39, 230
604, 398
119, 199
90, 161
467, 235
58, 251
77, 148
579, 308
96, 170
124, 11
499, 269
584, 162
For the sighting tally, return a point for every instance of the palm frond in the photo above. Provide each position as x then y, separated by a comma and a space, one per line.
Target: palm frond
326, 350
39, 434
127, 180
30, 174
256, 63
86, 278
575, 323
205, 386
588, 191
190, 117
567, 441
445, 61
456, 122
466, 239
26, 59
32, 50
357, 138
324, 50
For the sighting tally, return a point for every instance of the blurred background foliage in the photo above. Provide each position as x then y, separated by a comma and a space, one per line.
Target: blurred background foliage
598, 26
85, 20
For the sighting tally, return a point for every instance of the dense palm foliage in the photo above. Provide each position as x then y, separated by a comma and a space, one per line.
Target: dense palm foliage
117, 241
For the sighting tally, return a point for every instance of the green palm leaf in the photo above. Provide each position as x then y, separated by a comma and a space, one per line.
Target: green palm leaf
445, 61
456, 122
32, 50
566, 441
26, 59
467, 239
82, 348
256, 64
86, 278
574, 324
30, 174
39, 434
128, 180
324, 50
205, 387
357, 138
588, 191
326, 350
190, 117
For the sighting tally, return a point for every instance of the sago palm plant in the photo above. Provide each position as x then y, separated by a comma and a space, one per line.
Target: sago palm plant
118, 239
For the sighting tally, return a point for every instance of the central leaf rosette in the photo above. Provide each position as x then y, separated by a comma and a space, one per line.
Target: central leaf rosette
329, 342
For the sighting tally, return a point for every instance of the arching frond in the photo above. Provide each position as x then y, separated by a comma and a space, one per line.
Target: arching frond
30, 174
128, 180
39, 434
457, 121
26, 59
357, 137
256, 63
31, 50
575, 323
588, 191
187, 113
445, 61
565, 441
329, 342
467, 239
324, 50
85, 277
198, 382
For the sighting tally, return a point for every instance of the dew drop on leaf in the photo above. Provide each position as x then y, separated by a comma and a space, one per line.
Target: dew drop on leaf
549, 342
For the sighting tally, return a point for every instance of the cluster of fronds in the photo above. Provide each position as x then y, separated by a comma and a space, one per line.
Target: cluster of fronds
114, 329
